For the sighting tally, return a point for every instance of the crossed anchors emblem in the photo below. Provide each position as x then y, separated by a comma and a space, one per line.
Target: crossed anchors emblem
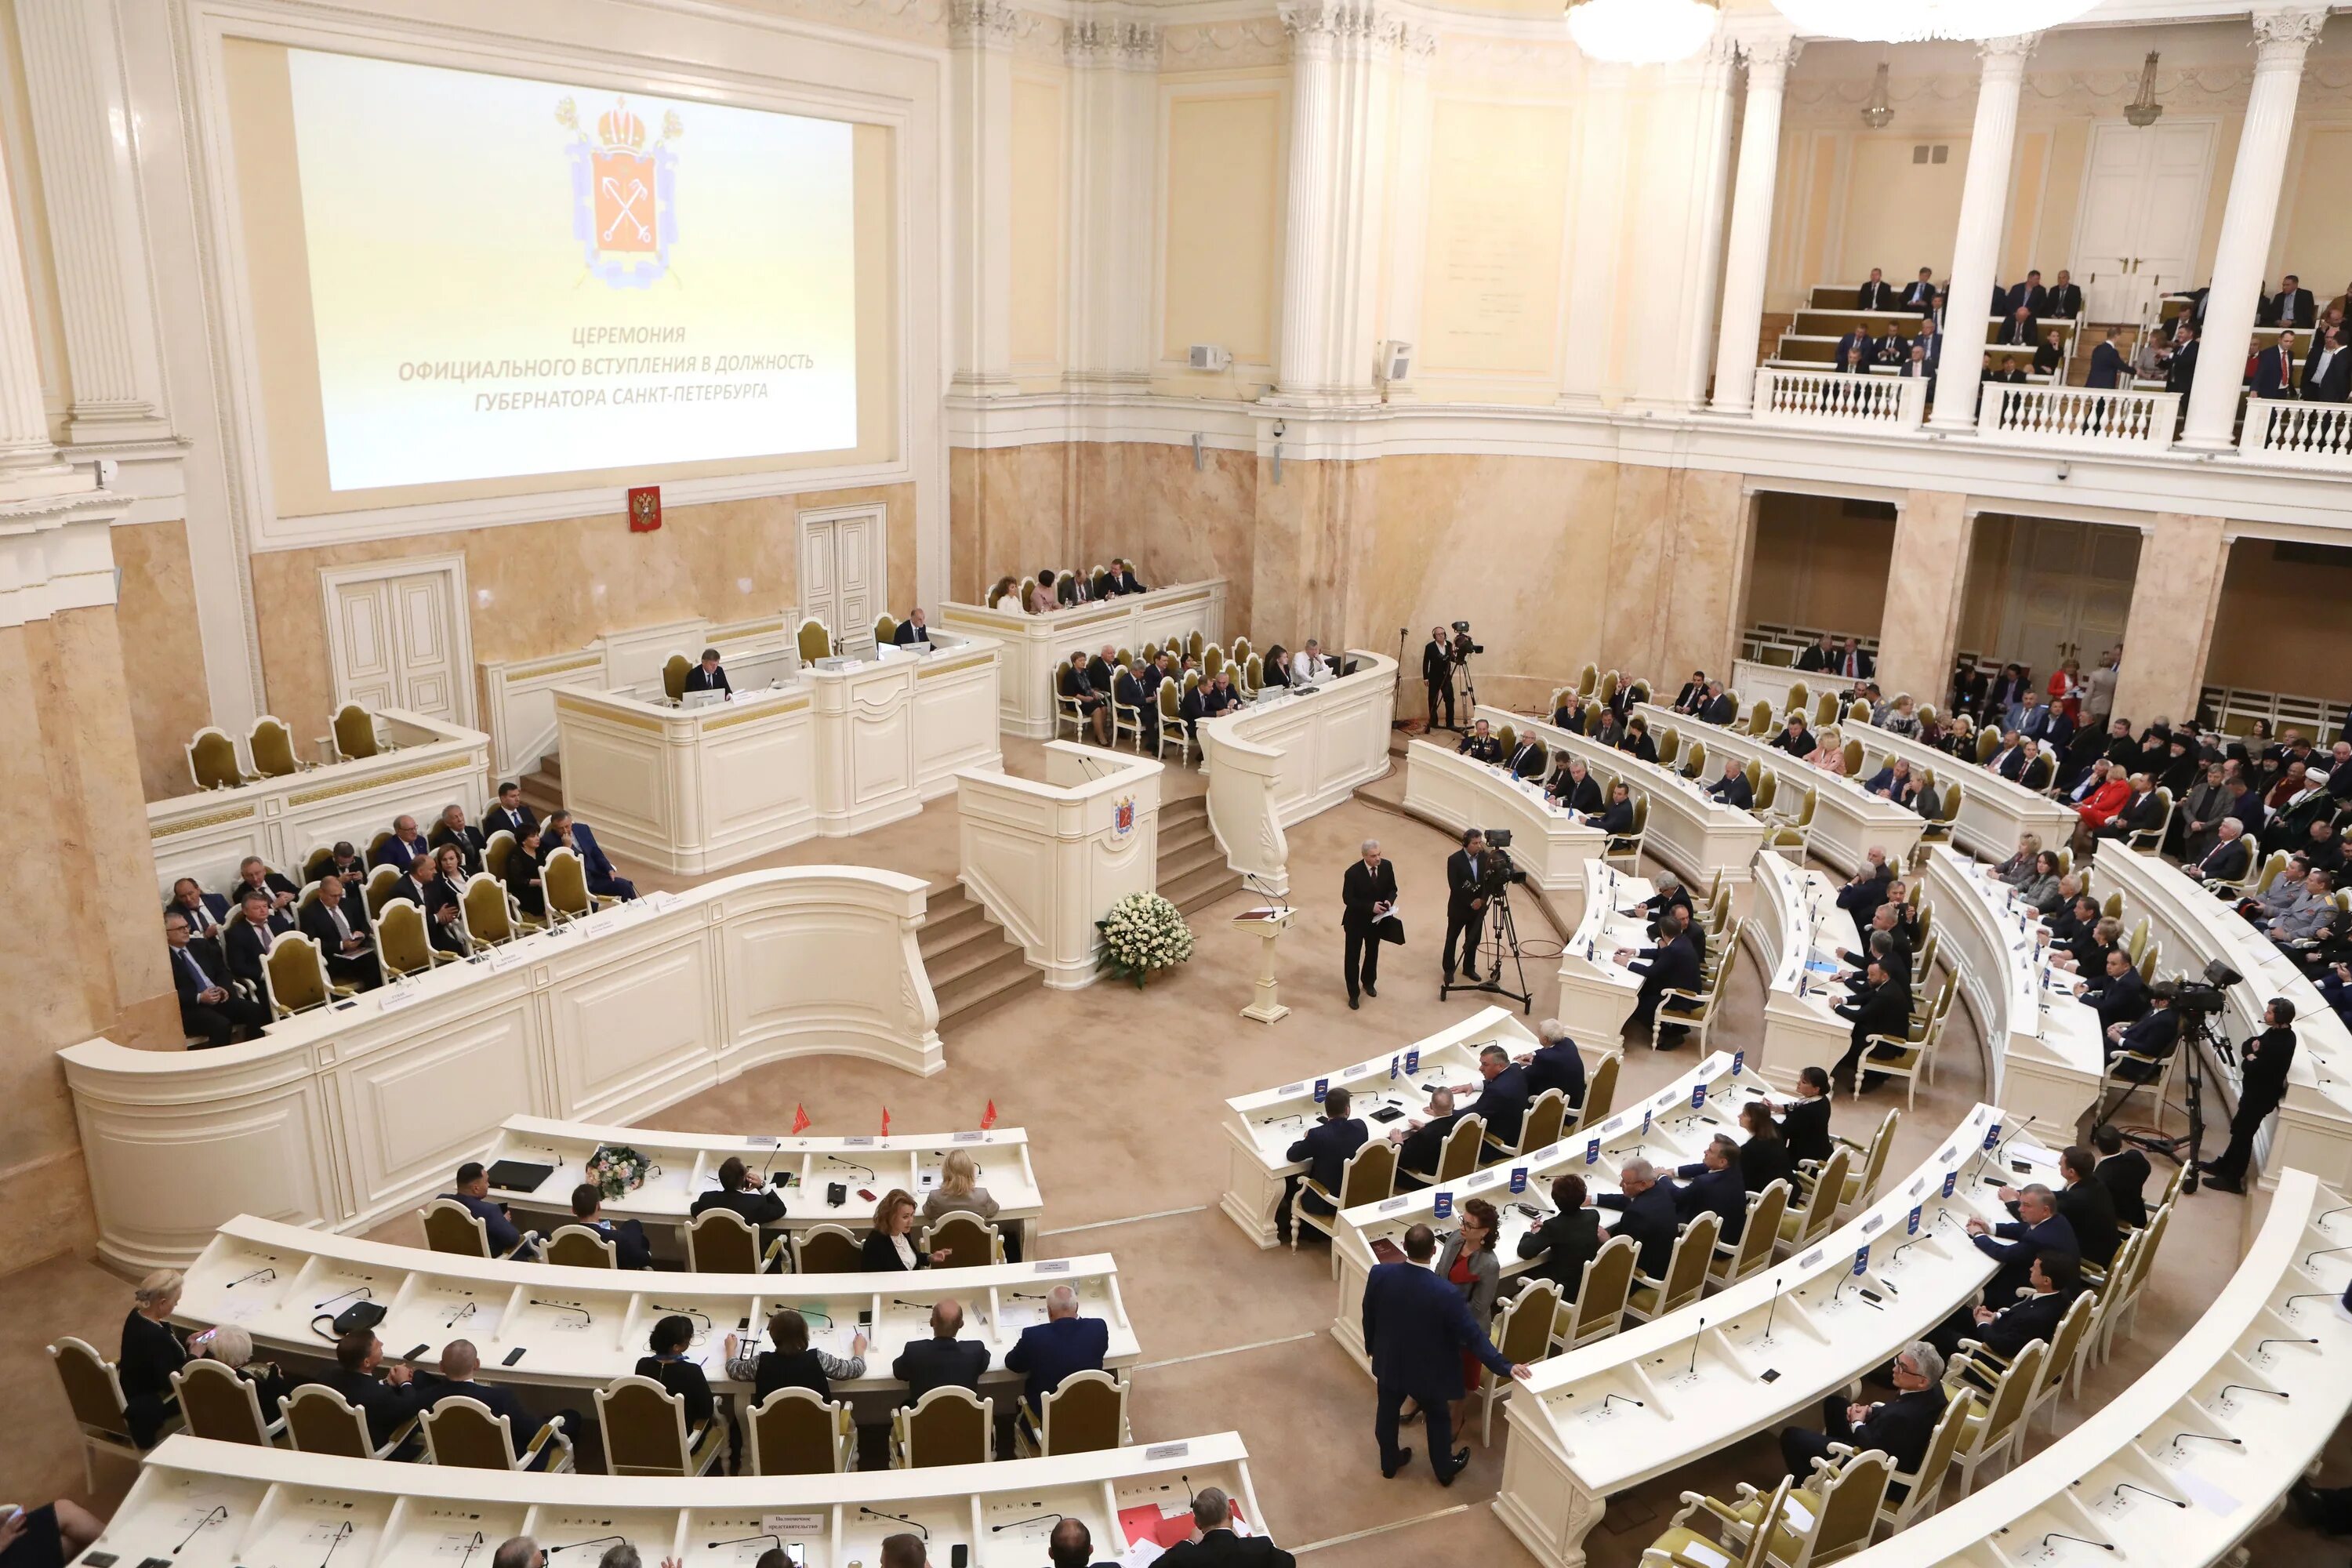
623, 211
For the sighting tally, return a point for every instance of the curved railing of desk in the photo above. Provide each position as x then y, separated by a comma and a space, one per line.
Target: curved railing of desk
1283, 759
342, 1118
1848, 820
1700, 838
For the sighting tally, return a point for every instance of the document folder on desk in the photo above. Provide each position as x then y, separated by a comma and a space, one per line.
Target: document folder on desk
518, 1176
1387, 1251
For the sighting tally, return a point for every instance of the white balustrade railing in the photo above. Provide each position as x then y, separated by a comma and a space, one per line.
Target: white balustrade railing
2078, 418
1785, 395
2303, 434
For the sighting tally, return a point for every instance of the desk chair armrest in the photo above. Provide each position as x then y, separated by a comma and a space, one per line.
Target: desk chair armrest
774, 1255
1837, 1451
1729, 1248
551, 1430
1491, 1142
1722, 1511
1644, 1282
1309, 1183
1859, 1145
1903, 1040
399, 1436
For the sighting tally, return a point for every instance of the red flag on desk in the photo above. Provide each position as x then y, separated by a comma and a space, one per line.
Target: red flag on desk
886, 1121
988, 1116
800, 1117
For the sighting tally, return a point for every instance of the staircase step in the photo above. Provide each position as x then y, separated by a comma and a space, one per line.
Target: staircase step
969, 995
1185, 836
978, 952
1176, 866
1198, 890
942, 933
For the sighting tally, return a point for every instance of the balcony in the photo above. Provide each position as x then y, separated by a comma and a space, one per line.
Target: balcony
2295, 435
1820, 399
2076, 419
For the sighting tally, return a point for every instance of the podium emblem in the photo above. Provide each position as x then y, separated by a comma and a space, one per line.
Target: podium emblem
1122, 818
623, 210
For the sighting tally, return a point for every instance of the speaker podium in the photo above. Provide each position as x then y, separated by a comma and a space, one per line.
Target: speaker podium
1269, 924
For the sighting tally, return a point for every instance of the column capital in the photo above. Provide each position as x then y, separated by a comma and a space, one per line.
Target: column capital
2007, 55
1121, 44
1322, 26
2282, 35
982, 24
1773, 53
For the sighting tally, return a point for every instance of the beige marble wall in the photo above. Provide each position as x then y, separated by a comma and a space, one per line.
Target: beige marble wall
542, 587
1009, 510
2175, 596
162, 653
2263, 591
1675, 568
1926, 583
1145, 502
1311, 527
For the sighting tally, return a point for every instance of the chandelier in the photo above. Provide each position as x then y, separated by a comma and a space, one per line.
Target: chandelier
1641, 32
1910, 21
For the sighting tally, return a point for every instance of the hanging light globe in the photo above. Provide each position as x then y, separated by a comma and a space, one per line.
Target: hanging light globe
1641, 32
1913, 21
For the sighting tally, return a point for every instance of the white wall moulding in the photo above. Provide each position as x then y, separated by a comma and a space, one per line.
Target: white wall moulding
2297, 434
1032, 647
829, 752
1915, 21
206, 834
2076, 419
1282, 760
1047, 860
1813, 398
333, 1118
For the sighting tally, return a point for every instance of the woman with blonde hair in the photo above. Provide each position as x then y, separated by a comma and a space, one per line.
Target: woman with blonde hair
1829, 755
152, 1350
959, 1192
231, 1346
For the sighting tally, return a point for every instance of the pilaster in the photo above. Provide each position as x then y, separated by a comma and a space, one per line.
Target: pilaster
2176, 595
1928, 571
1749, 237
980, 59
1114, 150
1976, 252
1596, 205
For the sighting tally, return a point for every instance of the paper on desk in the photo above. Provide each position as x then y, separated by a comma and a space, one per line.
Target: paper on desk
1798, 1517
2205, 1494
1703, 1554
1140, 1553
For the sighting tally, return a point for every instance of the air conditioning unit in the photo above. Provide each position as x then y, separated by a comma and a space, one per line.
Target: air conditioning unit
1209, 356
1396, 361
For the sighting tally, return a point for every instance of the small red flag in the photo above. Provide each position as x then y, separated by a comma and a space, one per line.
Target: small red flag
886, 1121
800, 1117
988, 1116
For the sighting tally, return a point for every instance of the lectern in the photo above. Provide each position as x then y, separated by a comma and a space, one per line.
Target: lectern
1269, 924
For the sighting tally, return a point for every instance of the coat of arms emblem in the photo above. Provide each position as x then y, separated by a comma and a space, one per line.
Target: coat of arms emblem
1122, 816
623, 194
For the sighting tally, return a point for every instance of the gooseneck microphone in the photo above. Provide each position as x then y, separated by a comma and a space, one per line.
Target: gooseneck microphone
212, 1516
1032, 1519
2053, 1535
2123, 1487
854, 1165
739, 1539
471, 1547
363, 1292
2256, 1388
1623, 1398
2180, 1437
343, 1532
597, 1541
265, 1274
915, 1525
585, 1317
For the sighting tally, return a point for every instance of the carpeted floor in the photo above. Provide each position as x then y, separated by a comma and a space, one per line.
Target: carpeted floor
1122, 1092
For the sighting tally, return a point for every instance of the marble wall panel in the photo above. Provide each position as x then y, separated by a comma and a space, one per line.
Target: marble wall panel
1926, 586
162, 653
2175, 595
1146, 502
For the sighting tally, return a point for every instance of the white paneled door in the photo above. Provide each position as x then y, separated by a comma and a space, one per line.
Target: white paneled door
842, 565
2143, 192
397, 636
2069, 592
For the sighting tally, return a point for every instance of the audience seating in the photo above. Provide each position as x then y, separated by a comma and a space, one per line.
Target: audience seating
646, 1433
296, 976
1686, 1271
94, 1391
212, 760
321, 1421
719, 1241
1601, 1293
970, 1241
450, 1226
948, 1426
577, 1247
796, 1432
270, 744
1087, 1414
826, 1249
354, 733
402, 944
564, 883
463, 1432
219, 1405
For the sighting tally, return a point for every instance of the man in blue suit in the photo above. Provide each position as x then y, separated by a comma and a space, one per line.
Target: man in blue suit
474, 1192
1647, 1211
1503, 1103
1558, 1063
459, 1361
404, 845
1416, 1326
2038, 1228
1049, 1351
566, 832
630, 1248
1326, 1148
1715, 1184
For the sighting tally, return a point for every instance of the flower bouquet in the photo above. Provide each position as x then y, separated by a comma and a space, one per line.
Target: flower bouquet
1143, 931
616, 1168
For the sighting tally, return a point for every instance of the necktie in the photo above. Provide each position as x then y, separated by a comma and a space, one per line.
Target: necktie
195, 973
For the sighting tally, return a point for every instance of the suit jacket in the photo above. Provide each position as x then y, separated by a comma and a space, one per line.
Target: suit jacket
1462, 881
1527, 761
2263, 1064
1815, 657
1416, 1326
1669, 966
877, 1255
1422, 1146
1436, 661
754, 1208
1733, 791
1878, 296
2065, 301
926, 1364
320, 927
208, 961
701, 680
1223, 1549
505, 1238
1799, 745
1719, 710
2017, 334
2182, 372
1326, 1149
1616, 818
593, 859
630, 1248
1878, 1010
384, 1406
686, 1380
1049, 1351
2032, 296
501, 1400
214, 906
2124, 1175
2336, 385
1764, 1161
1361, 891
1560, 1066
1503, 1103
2273, 374
2090, 1208
1127, 585
1565, 1243
518, 821
908, 633
2107, 368
1857, 339
246, 945
1654, 1220
1582, 796
2015, 1245
2153, 1033
2021, 1322
2289, 310
1805, 1128
397, 851
1903, 1426
1724, 1191
2120, 1000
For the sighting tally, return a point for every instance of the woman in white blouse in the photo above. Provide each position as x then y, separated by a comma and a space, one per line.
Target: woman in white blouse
890, 1246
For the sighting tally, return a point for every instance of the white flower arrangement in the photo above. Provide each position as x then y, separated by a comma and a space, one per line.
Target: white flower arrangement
1143, 931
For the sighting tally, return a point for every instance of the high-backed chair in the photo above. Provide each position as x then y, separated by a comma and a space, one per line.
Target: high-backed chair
1213, 662
1195, 643
1994, 1428
401, 942
270, 744
1625, 850
886, 630
354, 733
1172, 722
1067, 709
450, 1226
1735, 1260
1809, 1224
645, 1432
490, 914
296, 976
219, 1405
1599, 1310
463, 1433
970, 1241
314, 866
577, 1247
1369, 1176
1825, 709
1126, 717
1687, 1270
1683, 1546
1241, 648
720, 1241
1588, 681
212, 760
826, 1249
1831, 1517
814, 641
675, 669
798, 1432
1086, 1415
948, 1426
1759, 718
494, 850
563, 882
94, 1391
2150, 840
1456, 1157
376, 891
1923, 1489
1600, 1091
1522, 1331
320, 1421
1540, 1128
1799, 695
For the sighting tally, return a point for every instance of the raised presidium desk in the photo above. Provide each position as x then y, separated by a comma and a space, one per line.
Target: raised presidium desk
2043, 1047
282, 819
1035, 645
1698, 837
1848, 820
1291, 754
1260, 1128
1670, 1128
799, 751
582, 1328
689, 1165
2313, 1128
1553, 846
201, 1504
347, 1116
2182, 1465
1602, 1420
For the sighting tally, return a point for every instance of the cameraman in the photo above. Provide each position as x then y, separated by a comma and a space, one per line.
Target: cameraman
1437, 674
1468, 872
2263, 1064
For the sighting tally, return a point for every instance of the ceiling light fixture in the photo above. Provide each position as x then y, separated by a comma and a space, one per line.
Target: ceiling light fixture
1912, 21
1878, 113
2144, 110
1641, 32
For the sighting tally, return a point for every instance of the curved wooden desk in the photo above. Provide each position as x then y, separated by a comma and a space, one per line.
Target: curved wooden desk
1848, 820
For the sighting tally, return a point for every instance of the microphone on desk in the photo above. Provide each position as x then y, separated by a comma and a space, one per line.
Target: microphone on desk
2055, 1535
2122, 1487
898, 1519
564, 1307
212, 1516
2331, 1214
365, 1294
257, 1274
471, 1547
342, 1531
1692, 1370
2260, 1343
1032, 1519
2256, 1388
1627, 1398
460, 1315
575, 1546
1995, 1157
2322, 1253
1771, 1310
714, 1545
854, 1165
2178, 1438
687, 1313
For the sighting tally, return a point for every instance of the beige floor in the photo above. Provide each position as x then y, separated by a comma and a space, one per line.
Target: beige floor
1122, 1094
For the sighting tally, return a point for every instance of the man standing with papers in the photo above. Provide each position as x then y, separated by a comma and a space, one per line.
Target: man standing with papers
1416, 1325
1368, 896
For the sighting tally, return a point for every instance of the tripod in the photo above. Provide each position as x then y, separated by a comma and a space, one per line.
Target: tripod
1501, 940
2183, 1149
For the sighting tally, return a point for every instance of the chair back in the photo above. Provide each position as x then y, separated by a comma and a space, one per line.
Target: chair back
219, 1405
2158, 1224
1241, 647
354, 733
1587, 680
1825, 709
494, 850
321, 1421
450, 1226
1852, 755
577, 1247
675, 669
1607, 1283
1800, 693
885, 629
1670, 746
1608, 687
1987, 742
2011, 1396
1086, 1414
315, 862
2271, 871
645, 1428
814, 641
297, 974
1759, 1539
212, 760
826, 1249
563, 882
968, 1241
93, 1388
1763, 1229
1873, 1165
1523, 1330
1545, 1118
1254, 672
1507, 737
1369, 1174
1850, 1505
1687, 1269
377, 889
400, 937
1459, 1156
2067, 1343
1601, 1091
1822, 1204
1926, 1487
462, 1432
1694, 762
1858, 711
487, 918
1170, 709
948, 1426
720, 1241
271, 745
1759, 718
795, 1432
1195, 643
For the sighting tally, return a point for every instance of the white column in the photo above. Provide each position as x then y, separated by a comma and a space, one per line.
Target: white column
24, 423
1984, 209
1749, 241
73, 75
1408, 242
2282, 38
980, 90
1114, 142
1340, 51
1595, 233
1710, 172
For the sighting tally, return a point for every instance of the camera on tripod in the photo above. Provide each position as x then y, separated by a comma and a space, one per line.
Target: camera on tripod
2205, 998
1498, 870
1462, 646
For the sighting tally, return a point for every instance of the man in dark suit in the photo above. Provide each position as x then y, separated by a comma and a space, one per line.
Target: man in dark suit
1854, 661
1527, 759
1124, 570
1920, 294
1672, 966
208, 1007
1127, 691
1416, 1326
564, 832
2054, 1279
2263, 1064
1573, 787
1719, 709
1419, 1141
1502, 1104
2049, 354
914, 632
1326, 1148
2327, 369
630, 1248
1646, 1209
1437, 675
1878, 294
2021, 330
2066, 300
473, 1190
1883, 1006
708, 675
1693, 692
745, 1192
206, 914
2016, 1244
1805, 1124
453, 828
943, 1361
510, 816
2292, 306
1732, 788
1856, 346
1900, 1427
2181, 370
388, 1403
2085, 1205
425, 886
1073, 588
1049, 1351
1866, 890
1480, 744
2154, 1034
1466, 903
1555, 1064
1795, 739
2124, 1172
1191, 707
459, 1361
1714, 1182
1368, 891
1214, 1543
2029, 296
2118, 995
2140, 812
347, 942
1818, 656
2275, 368
248, 938
2109, 368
